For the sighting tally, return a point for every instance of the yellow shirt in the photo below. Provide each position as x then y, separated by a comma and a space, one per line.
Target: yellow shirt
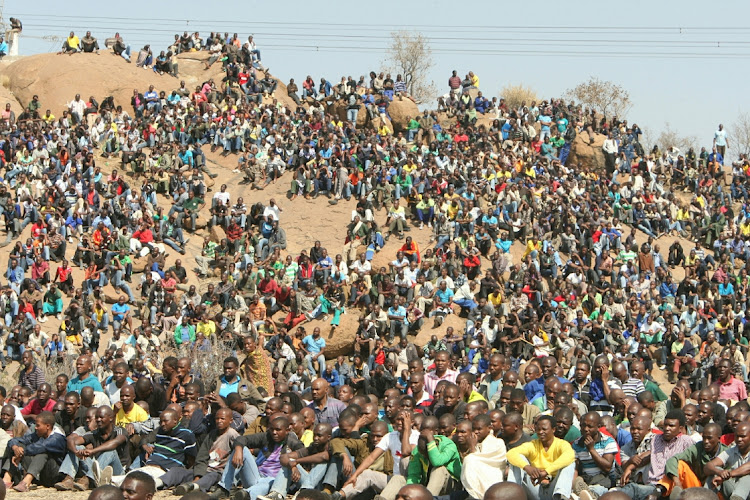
307, 437
408, 168
137, 414
559, 455
207, 329
73, 42
531, 246
475, 396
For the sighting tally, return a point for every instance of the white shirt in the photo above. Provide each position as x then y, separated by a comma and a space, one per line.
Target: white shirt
223, 196
392, 442
77, 106
273, 211
610, 146
359, 266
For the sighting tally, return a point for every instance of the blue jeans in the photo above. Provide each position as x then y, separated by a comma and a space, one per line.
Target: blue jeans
72, 464
308, 480
561, 485
252, 480
637, 491
321, 364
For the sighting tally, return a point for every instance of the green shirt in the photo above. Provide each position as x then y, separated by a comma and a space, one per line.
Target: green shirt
695, 456
210, 249
654, 389
626, 256
193, 204
440, 452
123, 260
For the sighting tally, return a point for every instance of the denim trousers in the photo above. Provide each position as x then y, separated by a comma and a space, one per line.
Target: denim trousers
561, 485
72, 464
248, 475
308, 480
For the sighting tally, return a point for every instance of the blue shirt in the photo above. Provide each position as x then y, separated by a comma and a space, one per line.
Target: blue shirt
399, 311
333, 378
313, 346
534, 389
118, 311
444, 296
76, 384
544, 120
227, 388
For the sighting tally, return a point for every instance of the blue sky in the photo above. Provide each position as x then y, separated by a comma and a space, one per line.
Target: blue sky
684, 63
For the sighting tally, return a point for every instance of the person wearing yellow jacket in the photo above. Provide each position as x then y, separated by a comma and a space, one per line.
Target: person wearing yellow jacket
545, 466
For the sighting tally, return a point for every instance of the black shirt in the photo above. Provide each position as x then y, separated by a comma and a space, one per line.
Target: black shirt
69, 424
525, 438
96, 439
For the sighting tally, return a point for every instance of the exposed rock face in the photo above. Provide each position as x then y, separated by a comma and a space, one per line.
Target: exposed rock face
585, 153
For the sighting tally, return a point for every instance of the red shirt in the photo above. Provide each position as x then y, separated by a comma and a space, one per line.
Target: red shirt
34, 408
38, 270
145, 236
63, 273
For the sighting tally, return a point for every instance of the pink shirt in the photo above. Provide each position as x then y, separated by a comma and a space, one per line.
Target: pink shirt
431, 380
734, 389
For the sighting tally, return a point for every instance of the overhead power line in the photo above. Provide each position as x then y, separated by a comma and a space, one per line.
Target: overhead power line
663, 42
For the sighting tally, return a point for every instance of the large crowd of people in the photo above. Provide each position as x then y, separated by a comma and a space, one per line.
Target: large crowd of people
554, 386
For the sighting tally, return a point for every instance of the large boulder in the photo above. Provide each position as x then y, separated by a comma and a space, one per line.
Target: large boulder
192, 68
586, 151
339, 342
401, 110
217, 234
6, 96
58, 78
339, 108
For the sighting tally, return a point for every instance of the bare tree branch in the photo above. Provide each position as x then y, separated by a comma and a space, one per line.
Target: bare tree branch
606, 97
410, 55
739, 134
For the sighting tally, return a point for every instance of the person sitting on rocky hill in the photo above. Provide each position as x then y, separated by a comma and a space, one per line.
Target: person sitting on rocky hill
71, 45
89, 43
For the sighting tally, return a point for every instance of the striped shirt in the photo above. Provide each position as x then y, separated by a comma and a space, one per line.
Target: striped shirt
662, 450
605, 446
31, 380
633, 387
171, 448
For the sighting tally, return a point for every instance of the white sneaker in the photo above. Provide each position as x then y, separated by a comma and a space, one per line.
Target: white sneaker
421, 225
96, 471
586, 495
105, 476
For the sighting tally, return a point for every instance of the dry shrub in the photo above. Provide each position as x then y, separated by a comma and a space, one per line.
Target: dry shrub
208, 364
58, 366
515, 95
